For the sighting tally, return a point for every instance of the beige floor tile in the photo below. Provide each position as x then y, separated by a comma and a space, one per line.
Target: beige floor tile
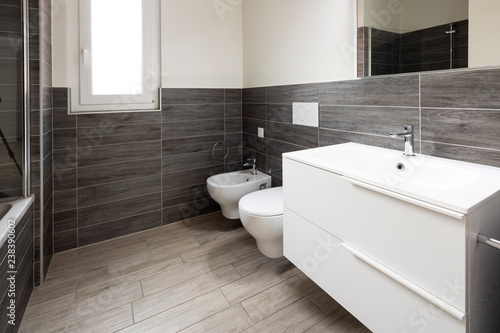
296, 317
171, 297
234, 319
183, 315
253, 263
340, 321
74, 277
176, 275
278, 297
49, 305
324, 301
245, 248
252, 284
46, 293
120, 278
110, 321
83, 310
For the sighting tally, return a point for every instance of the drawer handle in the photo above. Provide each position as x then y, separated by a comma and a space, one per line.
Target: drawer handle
407, 283
488, 241
402, 197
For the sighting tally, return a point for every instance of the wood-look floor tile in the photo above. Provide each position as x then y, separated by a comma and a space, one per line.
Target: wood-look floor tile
245, 248
296, 317
171, 244
84, 274
183, 315
120, 278
324, 301
340, 321
173, 296
234, 319
82, 310
176, 275
254, 263
49, 305
110, 321
46, 293
278, 297
252, 284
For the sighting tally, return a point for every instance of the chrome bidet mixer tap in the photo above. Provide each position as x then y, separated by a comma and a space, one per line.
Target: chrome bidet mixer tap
408, 136
253, 163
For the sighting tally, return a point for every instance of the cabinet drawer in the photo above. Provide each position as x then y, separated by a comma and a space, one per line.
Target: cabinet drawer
376, 299
425, 246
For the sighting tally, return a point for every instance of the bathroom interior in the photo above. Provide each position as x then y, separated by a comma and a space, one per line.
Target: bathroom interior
109, 217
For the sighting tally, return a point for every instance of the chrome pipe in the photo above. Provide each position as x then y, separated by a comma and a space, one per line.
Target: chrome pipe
488, 241
451, 32
26, 100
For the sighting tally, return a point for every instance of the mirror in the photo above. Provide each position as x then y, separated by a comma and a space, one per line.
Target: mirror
404, 36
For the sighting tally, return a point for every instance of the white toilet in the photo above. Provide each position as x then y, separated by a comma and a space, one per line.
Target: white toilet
261, 214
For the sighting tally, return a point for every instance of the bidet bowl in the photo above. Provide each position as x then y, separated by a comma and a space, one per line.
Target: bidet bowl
228, 188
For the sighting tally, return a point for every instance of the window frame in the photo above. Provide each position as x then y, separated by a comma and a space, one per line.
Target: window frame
150, 99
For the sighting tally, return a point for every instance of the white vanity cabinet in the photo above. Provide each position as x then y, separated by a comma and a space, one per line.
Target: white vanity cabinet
397, 263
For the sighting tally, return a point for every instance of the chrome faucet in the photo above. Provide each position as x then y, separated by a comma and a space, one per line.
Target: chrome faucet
253, 163
408, 136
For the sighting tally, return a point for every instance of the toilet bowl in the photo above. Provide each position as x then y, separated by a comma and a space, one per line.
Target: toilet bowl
261, 214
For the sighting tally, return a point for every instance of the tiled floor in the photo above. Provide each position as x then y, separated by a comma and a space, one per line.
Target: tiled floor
201, 275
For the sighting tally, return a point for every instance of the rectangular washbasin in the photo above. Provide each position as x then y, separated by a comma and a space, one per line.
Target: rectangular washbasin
459, 186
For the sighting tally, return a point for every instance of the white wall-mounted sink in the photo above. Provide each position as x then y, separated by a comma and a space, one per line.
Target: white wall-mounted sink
455, 185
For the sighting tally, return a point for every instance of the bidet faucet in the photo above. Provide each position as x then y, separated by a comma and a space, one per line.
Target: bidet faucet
253, 163
408, 136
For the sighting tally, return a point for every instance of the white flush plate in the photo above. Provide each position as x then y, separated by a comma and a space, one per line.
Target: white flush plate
306, 114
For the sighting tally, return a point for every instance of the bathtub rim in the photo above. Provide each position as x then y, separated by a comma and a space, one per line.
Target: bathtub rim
19, 208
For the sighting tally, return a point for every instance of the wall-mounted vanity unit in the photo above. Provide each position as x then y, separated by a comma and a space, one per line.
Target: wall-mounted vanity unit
394, 239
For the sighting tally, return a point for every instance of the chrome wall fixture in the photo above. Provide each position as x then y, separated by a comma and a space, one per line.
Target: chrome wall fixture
451, 32
26, 100
488, 241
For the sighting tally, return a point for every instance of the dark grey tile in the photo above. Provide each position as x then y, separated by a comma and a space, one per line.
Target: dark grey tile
185, 129
118, 134
180, 179
92, 156
191, 144
47, 190
234, 143
107, 121
233, 95
233, 125
462, 89
250, 126
275, 165
64, 179
118, 210
192, 96
64, 138
175, 113
65, 200
183, 195
233, 166
277, 148
260, 158
187, 162
254, 111
332, 137
189, 210
99, 194
61, 98
47, 167
11, 71
64, 159
65, 221
47, 144
254, 143
110, 173
11, 97
61, 119
370, 120
466, 154
296, 134
279, 113
233, 110
126, 226
478, 128
254, 95
10, 18
64, 241
377, 91
293, 93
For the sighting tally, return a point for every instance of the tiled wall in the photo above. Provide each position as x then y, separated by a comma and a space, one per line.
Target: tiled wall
24, 276
456, 115
41, 133
120, 173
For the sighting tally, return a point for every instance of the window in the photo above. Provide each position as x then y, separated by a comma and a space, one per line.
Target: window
119, 55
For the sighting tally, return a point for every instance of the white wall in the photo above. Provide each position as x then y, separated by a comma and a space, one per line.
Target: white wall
298, 41
484, 43
201, 47
421, 14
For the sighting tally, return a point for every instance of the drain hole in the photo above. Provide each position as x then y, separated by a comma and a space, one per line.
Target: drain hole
400, 166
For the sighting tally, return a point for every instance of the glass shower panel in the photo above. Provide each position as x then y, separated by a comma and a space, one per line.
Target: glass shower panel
11, 99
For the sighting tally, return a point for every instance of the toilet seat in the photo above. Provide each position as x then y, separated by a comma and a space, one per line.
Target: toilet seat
265, 203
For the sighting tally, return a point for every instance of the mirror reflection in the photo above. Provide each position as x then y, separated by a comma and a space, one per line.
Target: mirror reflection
403, 36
